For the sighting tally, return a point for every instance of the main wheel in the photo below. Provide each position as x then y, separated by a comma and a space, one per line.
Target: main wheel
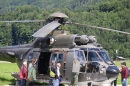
17, 83
90, 84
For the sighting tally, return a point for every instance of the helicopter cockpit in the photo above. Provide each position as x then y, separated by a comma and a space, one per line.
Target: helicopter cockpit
96, 59
94, 54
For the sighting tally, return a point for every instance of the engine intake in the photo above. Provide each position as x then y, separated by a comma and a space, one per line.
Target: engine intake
92, 39
81, 39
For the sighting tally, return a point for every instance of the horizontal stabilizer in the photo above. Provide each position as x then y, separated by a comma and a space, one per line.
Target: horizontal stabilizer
11, 53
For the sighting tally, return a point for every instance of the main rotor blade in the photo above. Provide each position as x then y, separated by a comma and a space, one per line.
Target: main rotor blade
100, 28
24, 21
46, 29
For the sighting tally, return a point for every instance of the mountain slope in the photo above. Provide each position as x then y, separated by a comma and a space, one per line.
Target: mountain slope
10, 5
111, 14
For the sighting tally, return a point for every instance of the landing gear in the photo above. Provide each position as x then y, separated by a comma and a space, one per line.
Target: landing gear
17, 83
112, 83
90, 84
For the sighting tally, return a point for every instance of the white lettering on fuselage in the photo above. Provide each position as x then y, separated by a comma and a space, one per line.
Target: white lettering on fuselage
88, 78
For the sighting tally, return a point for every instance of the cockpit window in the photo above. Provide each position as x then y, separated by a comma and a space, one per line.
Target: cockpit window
54, 56
60, 58
92, 56
104, 56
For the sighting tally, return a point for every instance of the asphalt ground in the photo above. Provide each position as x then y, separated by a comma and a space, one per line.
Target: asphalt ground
47, 85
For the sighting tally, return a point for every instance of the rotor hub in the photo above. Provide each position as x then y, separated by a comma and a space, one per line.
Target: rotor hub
59, 14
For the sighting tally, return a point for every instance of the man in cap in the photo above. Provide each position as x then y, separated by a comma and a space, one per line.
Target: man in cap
124, 74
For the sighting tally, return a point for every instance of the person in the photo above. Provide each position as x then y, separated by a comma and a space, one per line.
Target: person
75, 73
23, 73
31, 73
33, 61
56, 81
124, 74
50, 77
74, 80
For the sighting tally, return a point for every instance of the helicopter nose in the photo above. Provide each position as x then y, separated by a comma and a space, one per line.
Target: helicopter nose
112, 71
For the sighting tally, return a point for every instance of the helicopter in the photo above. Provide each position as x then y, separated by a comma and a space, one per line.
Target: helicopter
53, 44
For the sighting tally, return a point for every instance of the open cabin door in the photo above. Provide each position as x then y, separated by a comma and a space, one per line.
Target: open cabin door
75, 62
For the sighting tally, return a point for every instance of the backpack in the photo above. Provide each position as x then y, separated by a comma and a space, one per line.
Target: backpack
52, 74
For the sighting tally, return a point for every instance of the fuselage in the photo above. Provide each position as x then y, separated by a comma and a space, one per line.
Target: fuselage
62, 47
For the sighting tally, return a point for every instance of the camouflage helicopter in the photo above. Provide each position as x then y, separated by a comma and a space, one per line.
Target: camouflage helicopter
53, 44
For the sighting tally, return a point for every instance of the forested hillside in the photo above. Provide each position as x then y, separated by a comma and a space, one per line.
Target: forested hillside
74, 5
105, 13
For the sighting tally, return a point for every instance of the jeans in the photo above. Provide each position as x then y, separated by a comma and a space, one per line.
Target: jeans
56, 82
22, 82
125, 83
50, 82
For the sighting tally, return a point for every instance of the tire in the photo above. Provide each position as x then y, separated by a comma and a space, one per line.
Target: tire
90, 84
17, 83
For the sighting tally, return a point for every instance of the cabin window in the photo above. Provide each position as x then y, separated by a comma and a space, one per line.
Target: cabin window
30, 57
21, 57
92, 56
79, 55
54, 56
60, 58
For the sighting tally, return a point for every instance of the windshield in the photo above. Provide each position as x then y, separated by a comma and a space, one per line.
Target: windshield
104, 56
92, 56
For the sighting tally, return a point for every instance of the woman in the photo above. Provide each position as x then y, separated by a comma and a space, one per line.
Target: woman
32, 74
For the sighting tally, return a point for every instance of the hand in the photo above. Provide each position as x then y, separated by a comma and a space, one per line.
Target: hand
124, 79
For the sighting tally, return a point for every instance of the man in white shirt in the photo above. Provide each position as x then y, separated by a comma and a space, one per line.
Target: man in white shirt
56, 81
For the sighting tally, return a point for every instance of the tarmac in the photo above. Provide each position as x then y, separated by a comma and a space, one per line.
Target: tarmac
47, 85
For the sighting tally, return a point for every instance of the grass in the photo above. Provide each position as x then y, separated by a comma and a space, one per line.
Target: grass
7, 68
118, 64
5, 73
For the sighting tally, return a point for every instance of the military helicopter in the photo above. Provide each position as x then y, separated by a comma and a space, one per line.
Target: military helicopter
75, 52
